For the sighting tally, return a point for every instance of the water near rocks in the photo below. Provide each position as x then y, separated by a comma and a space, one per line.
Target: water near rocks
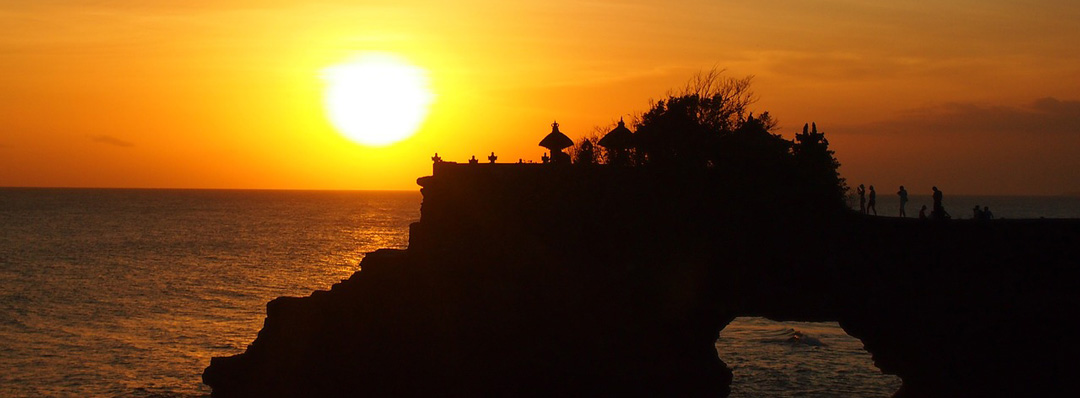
110, 292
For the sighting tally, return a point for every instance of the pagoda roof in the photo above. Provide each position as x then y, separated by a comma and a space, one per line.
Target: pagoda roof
618, 138
556, 140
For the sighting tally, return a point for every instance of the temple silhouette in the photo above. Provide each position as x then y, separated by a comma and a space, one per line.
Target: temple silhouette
548, 279
618, 143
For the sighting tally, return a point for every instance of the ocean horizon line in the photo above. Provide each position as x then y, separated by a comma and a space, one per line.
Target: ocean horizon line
417, 190
2, 187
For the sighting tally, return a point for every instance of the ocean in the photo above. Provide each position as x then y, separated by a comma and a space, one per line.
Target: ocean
129, 293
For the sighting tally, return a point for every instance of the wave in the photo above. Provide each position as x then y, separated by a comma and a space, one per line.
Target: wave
794, 337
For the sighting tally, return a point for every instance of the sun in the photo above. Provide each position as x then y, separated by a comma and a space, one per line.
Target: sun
377, 99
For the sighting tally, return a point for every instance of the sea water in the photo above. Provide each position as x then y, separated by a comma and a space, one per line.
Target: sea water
131, 292
113, 292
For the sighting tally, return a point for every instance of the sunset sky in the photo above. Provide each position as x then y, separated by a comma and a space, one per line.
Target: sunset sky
976, 97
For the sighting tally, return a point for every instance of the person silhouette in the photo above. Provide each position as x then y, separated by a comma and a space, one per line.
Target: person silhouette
903, 200
861, 190
978, 213
922, 213
939, 211
473, 160
871, 205
987, 215
492, 158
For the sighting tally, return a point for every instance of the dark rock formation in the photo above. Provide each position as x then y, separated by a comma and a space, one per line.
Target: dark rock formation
968, 308
554, 280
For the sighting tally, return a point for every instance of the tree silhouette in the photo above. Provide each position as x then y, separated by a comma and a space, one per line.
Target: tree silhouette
753, 149
708, 125
689, 128
723, 102
586, 150
672, 134
817, 165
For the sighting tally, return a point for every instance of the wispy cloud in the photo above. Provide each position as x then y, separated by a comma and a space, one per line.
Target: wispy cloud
1040, 117
977, 148
110, 140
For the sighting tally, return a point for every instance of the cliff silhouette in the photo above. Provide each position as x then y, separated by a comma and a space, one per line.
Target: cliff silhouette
610, 270
600, 280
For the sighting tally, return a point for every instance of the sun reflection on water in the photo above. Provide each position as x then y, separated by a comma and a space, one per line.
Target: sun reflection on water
130, 292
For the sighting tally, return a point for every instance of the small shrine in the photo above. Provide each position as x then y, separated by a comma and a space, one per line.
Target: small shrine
618, 142
555, 142
585, 153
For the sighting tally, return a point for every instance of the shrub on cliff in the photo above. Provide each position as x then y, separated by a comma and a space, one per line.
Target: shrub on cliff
708, 124
817, 166
685, 128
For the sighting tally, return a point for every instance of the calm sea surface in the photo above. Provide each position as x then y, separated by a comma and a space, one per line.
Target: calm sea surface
130, 292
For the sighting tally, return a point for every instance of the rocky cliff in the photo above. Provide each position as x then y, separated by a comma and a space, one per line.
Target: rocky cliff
541, 280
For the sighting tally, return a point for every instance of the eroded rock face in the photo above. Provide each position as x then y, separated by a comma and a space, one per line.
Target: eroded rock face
501, 293
399, 328
547, 281
969, 308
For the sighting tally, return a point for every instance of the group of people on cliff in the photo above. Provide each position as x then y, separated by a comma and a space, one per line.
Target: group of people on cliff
868, 204
983, 213
864, 206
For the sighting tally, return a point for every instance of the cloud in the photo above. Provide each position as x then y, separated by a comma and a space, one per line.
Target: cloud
843, 66
110, 140
1042, 117
974, 148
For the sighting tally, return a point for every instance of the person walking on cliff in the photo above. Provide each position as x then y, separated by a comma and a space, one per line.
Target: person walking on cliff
939, 210
861, 190
871, 205
903, 200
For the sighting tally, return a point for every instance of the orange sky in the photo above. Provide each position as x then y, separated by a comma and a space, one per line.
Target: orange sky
979, 97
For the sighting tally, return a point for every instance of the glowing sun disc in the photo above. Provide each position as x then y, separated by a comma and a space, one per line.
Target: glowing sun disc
376, 99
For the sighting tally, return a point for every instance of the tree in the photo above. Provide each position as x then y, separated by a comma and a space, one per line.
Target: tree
723, 102
671, 133
817, 165
585, 150
708, 125
754, 149
689, 128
